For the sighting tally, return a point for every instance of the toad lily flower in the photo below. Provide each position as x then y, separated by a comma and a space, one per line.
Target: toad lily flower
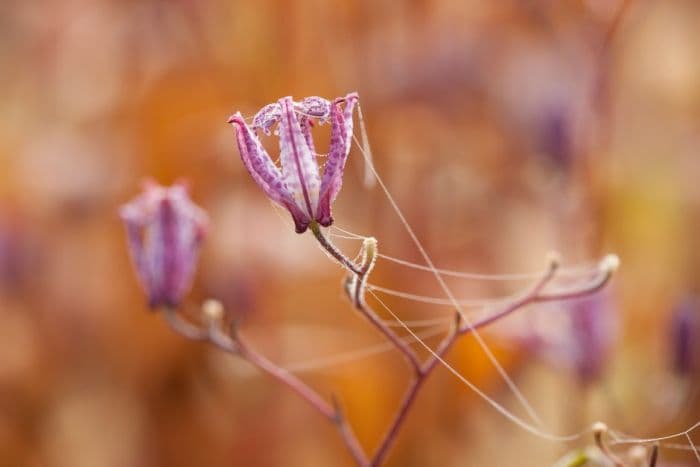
297, 185
165, 230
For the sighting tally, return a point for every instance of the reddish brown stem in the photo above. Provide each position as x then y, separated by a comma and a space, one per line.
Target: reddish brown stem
356, 290
333, 413
534, 295
238, 347
358, 298
333, 251
409, 398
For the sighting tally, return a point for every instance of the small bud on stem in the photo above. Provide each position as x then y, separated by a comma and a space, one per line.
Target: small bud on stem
212, 311
610, 263
599, 429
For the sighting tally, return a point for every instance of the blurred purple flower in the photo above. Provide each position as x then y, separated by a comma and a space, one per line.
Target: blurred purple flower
684, 337
555, 136
579, 337
591, 336
165, 230
298, 186
18, 254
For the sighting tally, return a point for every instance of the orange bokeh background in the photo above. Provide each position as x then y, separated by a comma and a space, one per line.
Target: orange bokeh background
504, 130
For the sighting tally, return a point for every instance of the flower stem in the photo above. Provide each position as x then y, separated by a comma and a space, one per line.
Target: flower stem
331, 412
235, 345
534, 295
335, 252
461, 327
358, 298
284, 377
409, 398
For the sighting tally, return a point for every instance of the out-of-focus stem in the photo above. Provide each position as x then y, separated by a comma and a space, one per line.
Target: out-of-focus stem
654, 455
283, 376
237, 346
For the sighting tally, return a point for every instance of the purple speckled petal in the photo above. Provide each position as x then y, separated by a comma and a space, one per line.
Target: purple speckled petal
258, 162
316, 107
265, 173
181, 226
133, 221
310, 108
306, 123
341, 137
299, 167
267, 117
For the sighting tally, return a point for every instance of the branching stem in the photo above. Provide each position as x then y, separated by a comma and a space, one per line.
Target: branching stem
356, 291
233, 343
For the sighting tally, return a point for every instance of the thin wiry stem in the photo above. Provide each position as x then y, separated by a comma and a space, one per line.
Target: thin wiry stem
330, 248
655, 454
356, 287
400, 344
534, 295
353, 355
409, 398
357, 296
234, 344
426, 369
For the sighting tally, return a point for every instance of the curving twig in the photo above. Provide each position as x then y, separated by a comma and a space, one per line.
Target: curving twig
356, 285
231, 342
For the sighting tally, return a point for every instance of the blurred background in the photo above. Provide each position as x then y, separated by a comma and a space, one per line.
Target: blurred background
504, 129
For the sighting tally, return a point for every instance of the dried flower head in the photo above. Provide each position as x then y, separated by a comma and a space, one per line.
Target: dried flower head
165, 231
297, 184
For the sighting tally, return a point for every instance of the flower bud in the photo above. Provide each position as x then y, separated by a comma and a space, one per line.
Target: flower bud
165, 231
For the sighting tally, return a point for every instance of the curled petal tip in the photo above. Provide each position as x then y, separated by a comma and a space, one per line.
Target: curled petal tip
352, 96
125, 213
236, 118
182, 184
148, 183
325, 220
